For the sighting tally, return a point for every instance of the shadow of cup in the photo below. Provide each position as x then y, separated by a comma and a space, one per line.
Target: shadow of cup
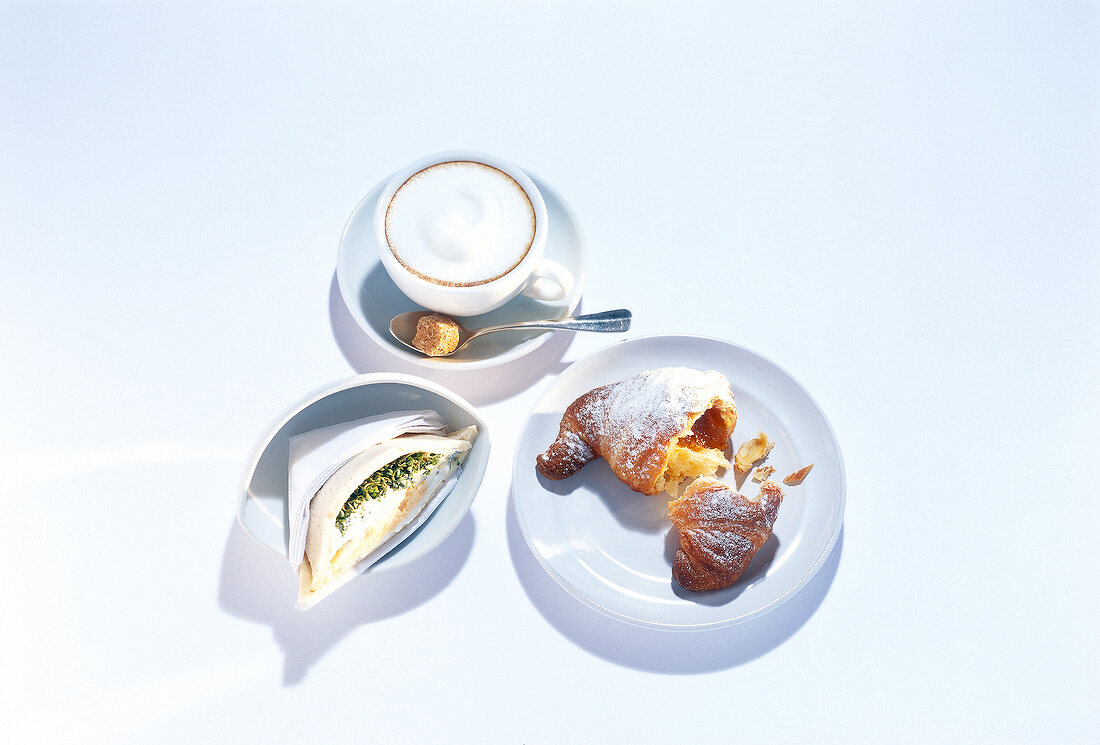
479, 387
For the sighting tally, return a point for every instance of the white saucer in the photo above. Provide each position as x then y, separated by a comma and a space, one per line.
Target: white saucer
262, 498
612, 548
373, 299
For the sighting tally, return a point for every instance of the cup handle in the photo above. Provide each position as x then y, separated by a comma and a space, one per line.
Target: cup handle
550, 281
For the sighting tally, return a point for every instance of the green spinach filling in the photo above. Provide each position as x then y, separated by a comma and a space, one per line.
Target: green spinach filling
396, 474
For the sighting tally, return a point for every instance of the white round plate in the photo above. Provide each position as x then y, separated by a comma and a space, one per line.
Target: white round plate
373, 299
262, 498
612, 548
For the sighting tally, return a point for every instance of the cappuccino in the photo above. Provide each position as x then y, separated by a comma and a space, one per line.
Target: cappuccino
460, 224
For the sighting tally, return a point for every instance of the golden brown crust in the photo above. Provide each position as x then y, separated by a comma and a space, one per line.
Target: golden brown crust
567, 453
796, 477
720, 531
633, 425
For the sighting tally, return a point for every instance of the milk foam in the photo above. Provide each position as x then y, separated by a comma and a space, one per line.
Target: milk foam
460, 223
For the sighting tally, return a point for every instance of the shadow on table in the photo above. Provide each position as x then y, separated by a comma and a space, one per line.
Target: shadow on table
664, 651
258, 586
479, 387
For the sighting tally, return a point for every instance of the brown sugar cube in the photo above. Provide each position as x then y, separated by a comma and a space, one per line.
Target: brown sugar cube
436, 335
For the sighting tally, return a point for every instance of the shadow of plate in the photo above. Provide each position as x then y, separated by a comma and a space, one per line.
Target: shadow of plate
654, 650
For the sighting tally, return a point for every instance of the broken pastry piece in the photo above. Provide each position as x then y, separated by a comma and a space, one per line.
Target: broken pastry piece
752, 452
762, 473
371, 499
654, 430
797, 476
720, 531
436, 334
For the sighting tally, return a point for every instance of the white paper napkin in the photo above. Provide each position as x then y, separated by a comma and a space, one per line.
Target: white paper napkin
316, 455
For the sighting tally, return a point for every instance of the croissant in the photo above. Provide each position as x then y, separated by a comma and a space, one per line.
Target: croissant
720, 531
654, 429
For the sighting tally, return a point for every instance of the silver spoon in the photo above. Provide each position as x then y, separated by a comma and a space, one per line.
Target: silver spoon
403, 327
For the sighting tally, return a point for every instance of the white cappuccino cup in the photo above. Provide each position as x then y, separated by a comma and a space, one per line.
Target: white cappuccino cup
462, 233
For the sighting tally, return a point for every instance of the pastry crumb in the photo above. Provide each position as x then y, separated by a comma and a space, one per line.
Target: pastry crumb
797, 476
770, 489
436, 335
752, 452
762, 473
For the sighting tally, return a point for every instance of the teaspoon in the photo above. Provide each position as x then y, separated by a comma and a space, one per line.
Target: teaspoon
403, 327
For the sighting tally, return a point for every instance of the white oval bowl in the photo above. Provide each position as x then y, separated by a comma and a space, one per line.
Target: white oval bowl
262, 497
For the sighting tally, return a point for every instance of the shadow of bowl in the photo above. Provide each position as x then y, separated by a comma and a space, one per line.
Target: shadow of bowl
258, 586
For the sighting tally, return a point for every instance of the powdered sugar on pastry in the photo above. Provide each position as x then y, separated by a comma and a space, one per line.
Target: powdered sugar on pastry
666, 423
650, 409
720, 531
574, 447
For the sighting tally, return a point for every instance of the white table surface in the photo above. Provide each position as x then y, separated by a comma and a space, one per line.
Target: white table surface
897, 202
